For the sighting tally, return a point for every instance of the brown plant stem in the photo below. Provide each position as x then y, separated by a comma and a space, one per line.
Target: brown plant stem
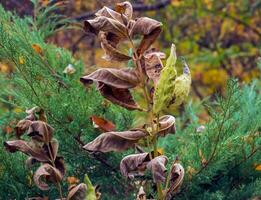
137, 60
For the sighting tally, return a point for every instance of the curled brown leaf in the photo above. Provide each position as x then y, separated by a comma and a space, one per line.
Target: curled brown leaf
40, 131
78, 192
118, 78
111, 52
141, 194
125, 8
46, 173
103, 124
176, 179
167, 125
59, 164
121, 97
153, 65
22, 126
52, 148
107, 12
114, 84
30, 161
27, 148
105, 24
157, 166
115, 141
149, 28
134, 164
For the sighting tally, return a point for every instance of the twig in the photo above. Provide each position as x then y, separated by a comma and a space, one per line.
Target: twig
74, 46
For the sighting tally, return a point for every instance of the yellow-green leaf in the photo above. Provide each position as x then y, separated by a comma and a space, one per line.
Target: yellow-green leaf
90, 189
165, 86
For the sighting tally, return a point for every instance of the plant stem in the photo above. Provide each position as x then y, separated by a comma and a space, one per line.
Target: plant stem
149, 102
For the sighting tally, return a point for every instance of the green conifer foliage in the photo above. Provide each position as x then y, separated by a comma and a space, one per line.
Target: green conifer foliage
40, 79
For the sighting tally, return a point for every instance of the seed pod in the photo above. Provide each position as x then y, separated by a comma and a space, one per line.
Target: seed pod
181, 88
165, 87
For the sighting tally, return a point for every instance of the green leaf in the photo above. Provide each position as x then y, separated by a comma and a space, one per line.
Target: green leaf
90, 189
165, 86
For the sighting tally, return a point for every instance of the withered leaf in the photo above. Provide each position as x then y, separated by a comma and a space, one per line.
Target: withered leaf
167, 125
30, 161
118, 78
176, 179
33, 111
114, 84
141, 194
105, 24
48, 173
115, 141
78, 192
53, 147
125, 8
36, 110
111, 53
103, 124
121, 97
31, 117
41, 131
134, 164
22, 126
153, 65
107, 12
26, 148
59, 164
149, 28
71, 180
157, 166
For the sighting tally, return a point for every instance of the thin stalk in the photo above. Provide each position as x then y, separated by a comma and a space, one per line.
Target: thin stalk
137, 61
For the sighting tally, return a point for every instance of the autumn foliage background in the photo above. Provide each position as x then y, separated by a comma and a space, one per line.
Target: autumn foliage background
220, 41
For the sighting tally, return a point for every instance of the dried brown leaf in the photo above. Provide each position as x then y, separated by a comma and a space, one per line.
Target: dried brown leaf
115, 141
59, 164
26, 148
33, 110
141, 194
111, 53
157, 166
53, 147
105, 24
118, 78
22, 126
78, 192
149, 28
121, 97
134, 164
46, 173
153, 65
125, 8
41, 131
109, 13
176, 179
114, 84
30, 161
167, 125
103, 124
71, 180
